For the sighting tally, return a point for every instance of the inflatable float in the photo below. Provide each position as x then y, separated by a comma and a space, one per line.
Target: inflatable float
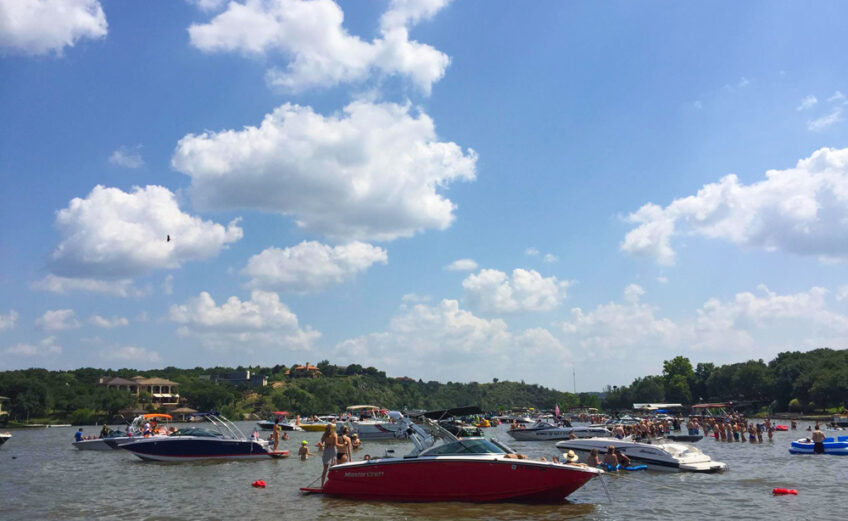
836, 447
781, 427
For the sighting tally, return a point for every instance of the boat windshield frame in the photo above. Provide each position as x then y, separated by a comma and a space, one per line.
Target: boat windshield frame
464, 447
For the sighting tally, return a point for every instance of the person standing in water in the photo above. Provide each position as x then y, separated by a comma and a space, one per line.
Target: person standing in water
275, 434
818, 441
330, 440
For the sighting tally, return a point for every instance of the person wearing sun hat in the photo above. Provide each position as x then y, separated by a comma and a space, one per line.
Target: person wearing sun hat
304, 450
570, 457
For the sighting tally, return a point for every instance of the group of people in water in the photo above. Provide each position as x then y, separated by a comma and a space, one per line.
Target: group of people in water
336, 447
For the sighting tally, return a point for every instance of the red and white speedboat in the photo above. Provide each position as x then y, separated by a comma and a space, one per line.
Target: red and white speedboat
456, 469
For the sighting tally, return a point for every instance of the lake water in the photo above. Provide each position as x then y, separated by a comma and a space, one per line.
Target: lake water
43, 477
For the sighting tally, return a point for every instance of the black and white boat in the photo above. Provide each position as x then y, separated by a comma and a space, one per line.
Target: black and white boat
676, 457
217, 439
544, 430
4, 437
135, 430
282, 421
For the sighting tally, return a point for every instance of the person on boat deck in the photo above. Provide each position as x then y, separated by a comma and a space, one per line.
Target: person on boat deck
571, 457
330, 440
78, 435
818, 441
104, 431
303, 452
610, 458
622, 458
146, 429
594, 458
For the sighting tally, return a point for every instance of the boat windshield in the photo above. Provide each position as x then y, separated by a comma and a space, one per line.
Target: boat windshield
465, 446
197, 431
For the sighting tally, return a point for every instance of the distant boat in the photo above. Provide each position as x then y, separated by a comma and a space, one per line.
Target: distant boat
374, 423
114, 441
659, 456
218, 439
543, 430
4, 437
284, 423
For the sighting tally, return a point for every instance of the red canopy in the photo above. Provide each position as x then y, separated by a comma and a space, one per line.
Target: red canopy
281, 413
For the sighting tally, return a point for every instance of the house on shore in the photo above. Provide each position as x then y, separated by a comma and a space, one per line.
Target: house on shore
162, 392
240, 378
304, 371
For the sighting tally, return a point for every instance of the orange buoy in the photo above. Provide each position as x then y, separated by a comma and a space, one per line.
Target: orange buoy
784, 491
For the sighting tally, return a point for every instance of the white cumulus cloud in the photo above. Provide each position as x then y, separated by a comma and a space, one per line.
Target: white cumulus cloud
44, 348
127, 157
319, 50
58, 320
64, 285
445, 342
495, 292
310, 266
828, 120
37, 27
259, 322
114, 234
8, 320
807, 103
108, 323
131, 354
801, 210
374, 172
462, 265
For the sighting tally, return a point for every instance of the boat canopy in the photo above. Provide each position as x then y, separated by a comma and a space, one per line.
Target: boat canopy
157, 415
655, 406
448, 413
281, 413
712, 405
359, 407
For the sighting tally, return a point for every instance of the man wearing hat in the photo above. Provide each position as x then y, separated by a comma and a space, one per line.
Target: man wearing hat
303, 452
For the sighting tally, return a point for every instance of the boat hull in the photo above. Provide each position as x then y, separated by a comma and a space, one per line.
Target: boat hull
471, 479
562, 433
4, 438
196, 449
313, 427
266, 425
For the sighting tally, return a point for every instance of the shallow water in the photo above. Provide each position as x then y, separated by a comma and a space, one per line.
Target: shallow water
42, 476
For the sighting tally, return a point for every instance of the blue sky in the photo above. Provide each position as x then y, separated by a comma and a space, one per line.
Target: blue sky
599, 168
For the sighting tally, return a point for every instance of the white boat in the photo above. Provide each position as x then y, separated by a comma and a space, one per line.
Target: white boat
375, 424
4, 437
134, 432
543, 430
676, 457
624, 420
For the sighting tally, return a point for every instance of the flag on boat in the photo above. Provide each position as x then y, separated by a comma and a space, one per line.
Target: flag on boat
556, 411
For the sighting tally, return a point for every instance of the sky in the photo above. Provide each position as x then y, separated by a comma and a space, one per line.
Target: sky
565, 193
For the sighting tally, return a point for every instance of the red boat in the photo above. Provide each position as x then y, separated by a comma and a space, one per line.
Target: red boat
466, 469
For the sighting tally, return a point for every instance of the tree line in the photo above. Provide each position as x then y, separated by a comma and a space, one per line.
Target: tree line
793, 381
74, 396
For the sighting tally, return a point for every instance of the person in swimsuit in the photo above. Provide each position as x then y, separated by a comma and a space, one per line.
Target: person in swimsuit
818, 441
594, 460
330, 440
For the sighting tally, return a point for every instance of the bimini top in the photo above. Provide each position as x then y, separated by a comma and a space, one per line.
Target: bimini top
448, 413
712, 405
281, 413
157, 415
359, 407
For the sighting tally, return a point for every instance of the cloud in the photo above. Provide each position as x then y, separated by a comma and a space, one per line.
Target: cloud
262, 321
838, 97
462, 265
45, 348
842, 293
494, 292
320, 51
807, 103
106, 323
208, 5
310, 266
531, 251
765, 321
114, 234
168, 285
132, 354
8, 320
58, 320
64, 285
550, 258
830, 119
48, 26
801, 210
127, 157
445, 342
371, 173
